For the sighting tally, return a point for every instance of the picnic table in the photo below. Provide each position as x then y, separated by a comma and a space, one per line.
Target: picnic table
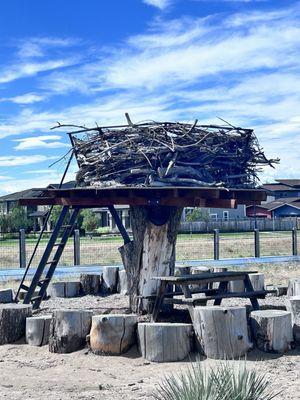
204, 280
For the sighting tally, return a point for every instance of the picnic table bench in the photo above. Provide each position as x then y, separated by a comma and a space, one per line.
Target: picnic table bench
204, 279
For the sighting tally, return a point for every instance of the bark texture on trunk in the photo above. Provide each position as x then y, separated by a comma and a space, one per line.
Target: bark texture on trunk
151, 252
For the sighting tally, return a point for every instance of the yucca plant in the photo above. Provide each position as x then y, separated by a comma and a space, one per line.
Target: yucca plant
222, 382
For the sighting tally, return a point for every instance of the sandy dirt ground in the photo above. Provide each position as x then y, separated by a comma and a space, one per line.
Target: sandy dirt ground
33, 372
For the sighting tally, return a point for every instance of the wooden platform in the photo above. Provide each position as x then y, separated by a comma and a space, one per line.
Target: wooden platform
151, 196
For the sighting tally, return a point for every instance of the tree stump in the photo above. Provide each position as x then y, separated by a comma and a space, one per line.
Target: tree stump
236, 286
13, 321
293, 305
90, 283
122, 282
293, 287
6, 296
222, 332
112, 334
215, 285
64, 289
272, 330
37, 330
23, 293
151, 253
164, 341
199, 270
68, 330
56, 289
258, 281
109, 279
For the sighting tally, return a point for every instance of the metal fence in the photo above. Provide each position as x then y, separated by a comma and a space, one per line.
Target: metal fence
15, 251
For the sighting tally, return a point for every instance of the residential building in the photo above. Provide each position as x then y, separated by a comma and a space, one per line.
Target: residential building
280, 208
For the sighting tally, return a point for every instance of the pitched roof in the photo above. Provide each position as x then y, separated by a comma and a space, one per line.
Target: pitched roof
20, 195
290, 201
277, 186
289, 182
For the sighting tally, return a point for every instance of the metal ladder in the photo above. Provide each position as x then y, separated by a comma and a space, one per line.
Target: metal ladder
43, 275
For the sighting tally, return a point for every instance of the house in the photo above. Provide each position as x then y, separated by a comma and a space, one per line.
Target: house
280, 208
218, 214
37, 213
282, 188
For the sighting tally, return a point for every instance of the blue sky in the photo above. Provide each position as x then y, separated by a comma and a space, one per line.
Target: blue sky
91, 61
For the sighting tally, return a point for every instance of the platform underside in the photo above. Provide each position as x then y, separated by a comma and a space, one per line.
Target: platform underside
139, 196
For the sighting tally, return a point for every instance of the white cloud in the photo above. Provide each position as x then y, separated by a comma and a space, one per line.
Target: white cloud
46, 141
161, 4
12, 161
37, 46
27, 98
24, 70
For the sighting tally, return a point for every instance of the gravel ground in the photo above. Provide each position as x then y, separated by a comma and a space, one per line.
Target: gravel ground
33, 372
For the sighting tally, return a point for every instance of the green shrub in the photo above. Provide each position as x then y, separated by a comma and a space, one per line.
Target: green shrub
221, 382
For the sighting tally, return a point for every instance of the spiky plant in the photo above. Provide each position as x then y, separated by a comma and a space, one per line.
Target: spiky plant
222, 382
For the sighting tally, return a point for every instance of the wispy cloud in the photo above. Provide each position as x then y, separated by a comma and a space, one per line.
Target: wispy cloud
12, 161
36, 142
14, 72
161, 4
27, 98
38, 46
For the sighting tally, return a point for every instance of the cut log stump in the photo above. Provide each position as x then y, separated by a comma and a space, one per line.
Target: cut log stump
294, 287
13, 321
258, 281
23, 293
90, 283
164, 341
6, 296
110, 279
293, 305
123, 282
112, 334
68, 330
215, 285
199, 270
64, 289
222, 332
236, 287
37, 330
272, 330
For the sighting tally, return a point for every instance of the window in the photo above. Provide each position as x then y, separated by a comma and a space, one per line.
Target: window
213, 217
225, 215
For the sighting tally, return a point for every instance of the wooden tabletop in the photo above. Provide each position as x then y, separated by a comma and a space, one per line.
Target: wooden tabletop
206, 277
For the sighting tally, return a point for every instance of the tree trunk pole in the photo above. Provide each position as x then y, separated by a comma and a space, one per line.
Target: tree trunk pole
151, 252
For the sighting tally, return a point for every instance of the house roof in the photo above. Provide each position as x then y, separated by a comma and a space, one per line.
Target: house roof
33, 192
290, 201
20, 195
290, 182
277, 186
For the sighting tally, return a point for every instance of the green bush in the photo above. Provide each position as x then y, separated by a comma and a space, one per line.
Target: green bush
221, 382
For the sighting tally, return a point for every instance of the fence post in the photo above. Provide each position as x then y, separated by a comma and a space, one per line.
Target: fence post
256, 243
216, 244
76, 247
22, 248
294, 239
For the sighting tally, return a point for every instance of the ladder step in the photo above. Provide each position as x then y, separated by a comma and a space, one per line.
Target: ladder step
35, 298
67, 226
24, 287
51, 262
58, 244
40, 283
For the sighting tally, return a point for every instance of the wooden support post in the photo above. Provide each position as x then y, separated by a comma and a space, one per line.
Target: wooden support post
256, 243
76, 247
151, 253
216, 244
294, 242
22, 248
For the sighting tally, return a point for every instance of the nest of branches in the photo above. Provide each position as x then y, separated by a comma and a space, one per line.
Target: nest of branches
168, 154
